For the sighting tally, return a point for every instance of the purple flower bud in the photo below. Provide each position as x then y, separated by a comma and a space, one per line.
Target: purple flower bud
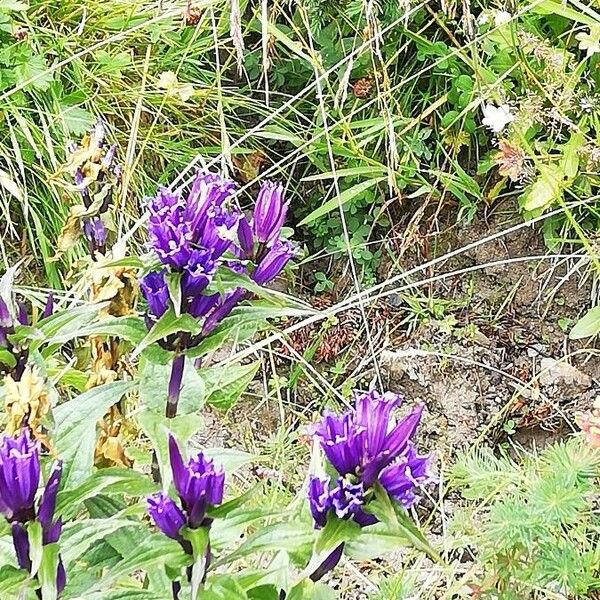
328, 564
49, 307
61, 577
22, 315
200, 306
245, 238
269, 213
198, 484
223, 308
166, 515
109, 157
155, 291
280, 253
19, 477
47, 506
5, 316
21, 544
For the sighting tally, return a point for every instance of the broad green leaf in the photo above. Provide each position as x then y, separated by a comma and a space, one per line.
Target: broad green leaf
34, 535
77, 120
167, 325
153, 552
34, 73
154, 384
290, 535
75, 428
344, 197
335, 532
308, 590
225, 385
78, 536
15, 583
47, 572
564, 10
157, 428
108, 481
223, 587
588, 325
546, 189
7, 358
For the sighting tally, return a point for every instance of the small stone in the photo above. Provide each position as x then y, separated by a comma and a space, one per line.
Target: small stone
559, 372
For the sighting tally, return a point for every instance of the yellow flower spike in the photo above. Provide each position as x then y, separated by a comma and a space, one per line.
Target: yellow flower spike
25, 399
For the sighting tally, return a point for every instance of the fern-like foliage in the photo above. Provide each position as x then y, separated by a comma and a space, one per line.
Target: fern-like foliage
538, 530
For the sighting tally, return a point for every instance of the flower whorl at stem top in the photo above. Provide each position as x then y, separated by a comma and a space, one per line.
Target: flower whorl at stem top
19, 481
366, 445
199, 486
191, 236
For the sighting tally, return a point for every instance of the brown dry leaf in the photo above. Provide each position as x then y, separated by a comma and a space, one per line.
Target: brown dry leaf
69, 234
249, 165
109, 448
510, 160
117, 284
25, 401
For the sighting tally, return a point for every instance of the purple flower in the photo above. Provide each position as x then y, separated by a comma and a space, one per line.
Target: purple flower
271, 265
49, 306
19, 482
166, 515
198, 483
344, 498
269, 213
177, 226
155, 291
401, 478
364, 440
365, 445
19, 477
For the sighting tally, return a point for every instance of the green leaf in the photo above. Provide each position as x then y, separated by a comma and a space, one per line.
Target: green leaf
77, 120
546, 189
289, 536
588, 325
167, 325
35, 535
75, 428
113, 480
47, 572
343, 198
157, 429
7, 358
14, 583
308, 590
152, 552
225, 385
154, 385
35, 71
78, 536
335, 532
13, 5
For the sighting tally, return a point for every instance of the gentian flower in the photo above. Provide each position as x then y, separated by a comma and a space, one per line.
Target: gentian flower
366, 445
19, 482
274, 261
199, 486
269, 213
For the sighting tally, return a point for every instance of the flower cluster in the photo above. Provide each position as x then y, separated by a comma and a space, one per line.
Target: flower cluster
366, 445
195, 235
13, 314
95, 174
199, 485
19, 481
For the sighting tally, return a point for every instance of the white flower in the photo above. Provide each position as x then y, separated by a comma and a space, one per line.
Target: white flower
501, 17
497, 117
590, 41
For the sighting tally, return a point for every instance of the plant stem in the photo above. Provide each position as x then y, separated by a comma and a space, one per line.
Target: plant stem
175, 385
176, 588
